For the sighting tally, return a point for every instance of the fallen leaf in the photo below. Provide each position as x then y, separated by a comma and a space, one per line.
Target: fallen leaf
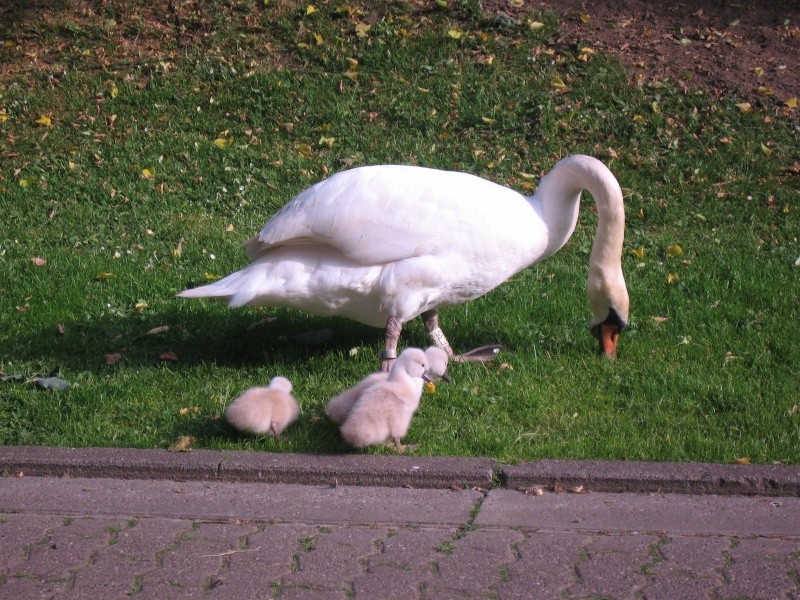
767, 91
223, 142
141, 307
39, 262
758, 71
790, 102
639, 119
113, 358
674, 250
52, 383
211, 276
794, 409
190, 409
744, 106
745, 460
60, 329
148, 173
157, 330
487, 120
559, 85
4, 116
456, 34
638, 252
430, 387
535, 24
103, 276
310, 10
45, 121
766, 149
305, 150
729, 356
536, 490
184, 443
326, 141
362, 29
672, 278
585, 18
169, 356
113, 90
657, 319
504, 367
578, 489
318, 39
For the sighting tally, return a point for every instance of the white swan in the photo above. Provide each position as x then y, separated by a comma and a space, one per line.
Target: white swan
384, 244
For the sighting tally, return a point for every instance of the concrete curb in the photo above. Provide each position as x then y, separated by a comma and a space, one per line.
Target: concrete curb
396, 471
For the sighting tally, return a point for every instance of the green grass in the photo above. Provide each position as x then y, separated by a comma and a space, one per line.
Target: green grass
708, 370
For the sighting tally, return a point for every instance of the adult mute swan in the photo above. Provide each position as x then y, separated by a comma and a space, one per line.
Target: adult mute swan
384, 244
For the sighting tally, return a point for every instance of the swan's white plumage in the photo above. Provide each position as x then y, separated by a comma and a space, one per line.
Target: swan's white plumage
340, 405
384, 410
396, 241
264, 410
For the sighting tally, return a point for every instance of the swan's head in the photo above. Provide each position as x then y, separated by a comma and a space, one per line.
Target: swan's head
608, 298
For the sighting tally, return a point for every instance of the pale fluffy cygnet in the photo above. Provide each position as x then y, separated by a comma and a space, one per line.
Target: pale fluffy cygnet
384, 410
264, 410
339, 406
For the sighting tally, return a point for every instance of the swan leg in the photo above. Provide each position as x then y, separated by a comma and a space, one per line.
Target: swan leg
393, 328
479, 354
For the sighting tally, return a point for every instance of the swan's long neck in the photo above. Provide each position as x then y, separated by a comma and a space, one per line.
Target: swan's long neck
557, 199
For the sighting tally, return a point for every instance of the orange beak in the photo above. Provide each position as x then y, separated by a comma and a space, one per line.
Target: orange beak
608, 337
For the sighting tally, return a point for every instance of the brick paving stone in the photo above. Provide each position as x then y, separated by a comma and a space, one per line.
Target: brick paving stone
545, 566
192, 564
268, 555
762, 568
474, 563
406, 560
331, 560
689, 567
311, 593
62, 551
612, 566
19, 533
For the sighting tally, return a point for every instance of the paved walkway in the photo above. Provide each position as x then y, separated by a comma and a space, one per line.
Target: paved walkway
146, 534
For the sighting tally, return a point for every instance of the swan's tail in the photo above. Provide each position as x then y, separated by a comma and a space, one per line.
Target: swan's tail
235, 290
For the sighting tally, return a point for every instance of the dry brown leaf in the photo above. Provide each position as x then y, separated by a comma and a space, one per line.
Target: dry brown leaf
113, 358
184, 443
38, 261
169, 355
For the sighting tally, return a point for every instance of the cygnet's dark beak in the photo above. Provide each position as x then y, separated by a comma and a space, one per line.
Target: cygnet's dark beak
426, 377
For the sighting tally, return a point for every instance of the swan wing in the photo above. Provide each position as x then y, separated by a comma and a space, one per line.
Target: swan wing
385, 213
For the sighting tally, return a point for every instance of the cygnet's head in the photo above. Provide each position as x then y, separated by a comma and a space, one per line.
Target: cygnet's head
437, 363
281, 384
414, 362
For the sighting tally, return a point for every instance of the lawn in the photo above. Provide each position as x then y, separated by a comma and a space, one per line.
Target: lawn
141, 145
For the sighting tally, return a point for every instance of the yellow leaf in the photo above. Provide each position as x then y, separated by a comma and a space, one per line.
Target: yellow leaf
211, 276
638, 252
767, 91
148, 173
26, 182
766, 149
318, 39
326, 141
487, 120
517, 3
656, 107
4, 116
559, 85
352, 75
113, 90
305, 150
638, 119
745, 460
362, 29
45, 121
674, 250
141, 307
758, 71
535, 24
585, 18
744, 106
456, 34
430, 387
223, 141
103, 276
672, 278
310, 10
8, 43
791, 102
